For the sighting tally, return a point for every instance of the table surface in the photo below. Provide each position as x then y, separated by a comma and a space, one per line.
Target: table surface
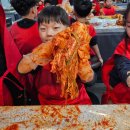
105, 25
94, 117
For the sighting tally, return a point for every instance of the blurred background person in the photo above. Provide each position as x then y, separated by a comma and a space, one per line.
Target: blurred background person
108, 8
40, 5
25, 31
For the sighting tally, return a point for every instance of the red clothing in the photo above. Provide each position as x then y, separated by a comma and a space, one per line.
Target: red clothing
108, 11
120, 93
13, 56
97, 7
92, 33
40, 8
26, 39
59, 1
49, 91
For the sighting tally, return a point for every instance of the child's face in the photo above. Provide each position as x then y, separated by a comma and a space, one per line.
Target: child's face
48, 30
109, 3
40, 2
128, 25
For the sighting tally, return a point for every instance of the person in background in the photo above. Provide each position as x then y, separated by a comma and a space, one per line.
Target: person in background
52, 20
82, 9
116, 71
96, 8
9, 57
26, 37
40, 5
108, 8
9, 52
25, 31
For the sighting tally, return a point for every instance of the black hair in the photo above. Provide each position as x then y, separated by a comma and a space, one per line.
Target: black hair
127, 11
82, 7
51, 2
53, 13
23, 7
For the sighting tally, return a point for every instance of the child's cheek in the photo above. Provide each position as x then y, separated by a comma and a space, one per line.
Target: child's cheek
128, 32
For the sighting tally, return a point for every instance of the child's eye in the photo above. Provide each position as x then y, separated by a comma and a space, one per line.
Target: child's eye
43, 29
55, 28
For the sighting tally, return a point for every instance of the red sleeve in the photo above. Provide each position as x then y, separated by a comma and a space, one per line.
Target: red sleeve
97, 8
40, 8
92, 31
59, 1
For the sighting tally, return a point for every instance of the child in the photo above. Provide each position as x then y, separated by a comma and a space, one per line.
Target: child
25, 32
82, 9
108, 9
116, 71
52, 20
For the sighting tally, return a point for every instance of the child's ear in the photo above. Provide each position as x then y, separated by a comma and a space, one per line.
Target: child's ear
33, 9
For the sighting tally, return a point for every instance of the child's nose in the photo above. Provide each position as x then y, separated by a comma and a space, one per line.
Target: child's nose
49, 32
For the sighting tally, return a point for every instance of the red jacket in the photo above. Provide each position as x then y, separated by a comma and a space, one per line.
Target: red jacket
49, 91
108, 11
9, 46
26, 39
120, 93
13, 56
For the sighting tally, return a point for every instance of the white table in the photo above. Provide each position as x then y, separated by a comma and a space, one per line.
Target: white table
108, 37
105, 117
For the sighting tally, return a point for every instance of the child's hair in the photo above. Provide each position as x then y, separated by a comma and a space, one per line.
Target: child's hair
53, 14
82, 7
125, 20
126, 13
23, 6
51, 2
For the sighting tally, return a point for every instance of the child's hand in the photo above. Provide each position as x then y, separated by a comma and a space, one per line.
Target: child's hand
101, 60
26, 64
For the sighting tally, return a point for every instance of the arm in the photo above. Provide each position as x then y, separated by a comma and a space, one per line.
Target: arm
26, 64
122, 65
93, 44
96, 50
41, 55
85, 71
